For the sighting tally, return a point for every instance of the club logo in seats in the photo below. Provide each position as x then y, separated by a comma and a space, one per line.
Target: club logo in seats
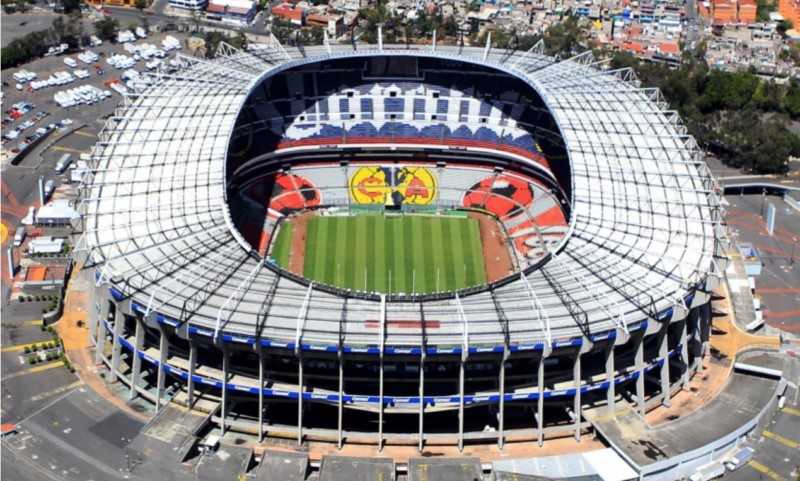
393, 185
292, 193
501, 195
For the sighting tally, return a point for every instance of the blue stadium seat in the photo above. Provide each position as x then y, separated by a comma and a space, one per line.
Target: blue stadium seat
486, 135
462, 132
434, 131
405, 130
366, 108
386, 130
393, 104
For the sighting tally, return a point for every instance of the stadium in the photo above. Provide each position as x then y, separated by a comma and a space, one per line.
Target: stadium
396, 244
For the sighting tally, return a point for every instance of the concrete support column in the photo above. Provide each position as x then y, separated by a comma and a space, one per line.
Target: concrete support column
340, 422
502, 406
703, 332
639, 365
663, 354
300, 389
421, 434
611, 393
163, 352
100, 340
380, 407
260, 394
461, 373
96, 314
226, 369
685, 354
192, 364
116, 343
138, 345
576, 376
540, 407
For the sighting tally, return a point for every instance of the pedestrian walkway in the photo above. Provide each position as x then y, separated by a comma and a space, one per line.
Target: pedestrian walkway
74, 334
727, 339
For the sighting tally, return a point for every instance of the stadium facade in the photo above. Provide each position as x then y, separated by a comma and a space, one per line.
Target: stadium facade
617, 239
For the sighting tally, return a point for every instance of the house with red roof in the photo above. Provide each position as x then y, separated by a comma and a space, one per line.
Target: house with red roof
234, 11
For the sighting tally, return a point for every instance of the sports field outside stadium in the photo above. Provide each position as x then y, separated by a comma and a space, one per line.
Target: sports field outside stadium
409, 253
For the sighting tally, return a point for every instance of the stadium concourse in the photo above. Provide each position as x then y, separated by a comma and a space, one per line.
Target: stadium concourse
609, 217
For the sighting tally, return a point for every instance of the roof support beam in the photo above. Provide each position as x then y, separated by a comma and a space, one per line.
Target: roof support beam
541, 315
224, 314
301, 318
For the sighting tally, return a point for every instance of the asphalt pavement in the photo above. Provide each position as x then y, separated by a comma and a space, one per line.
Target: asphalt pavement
777, 456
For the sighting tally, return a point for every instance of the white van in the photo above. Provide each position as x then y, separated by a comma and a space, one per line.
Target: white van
49, 188
19, 236
71, 63
740, 459
63, 163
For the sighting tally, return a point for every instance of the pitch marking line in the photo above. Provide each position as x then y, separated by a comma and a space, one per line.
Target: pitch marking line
781, 439
55, 391
25, 372
765, 470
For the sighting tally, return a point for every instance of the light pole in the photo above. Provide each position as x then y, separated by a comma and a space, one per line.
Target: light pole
791, 258
763, 197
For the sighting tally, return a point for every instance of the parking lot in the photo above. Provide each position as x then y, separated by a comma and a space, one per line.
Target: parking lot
82, 100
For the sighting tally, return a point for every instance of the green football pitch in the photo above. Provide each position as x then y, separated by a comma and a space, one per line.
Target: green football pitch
398, 254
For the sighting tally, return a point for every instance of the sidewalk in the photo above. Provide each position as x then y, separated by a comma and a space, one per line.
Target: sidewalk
727, 339
74, 333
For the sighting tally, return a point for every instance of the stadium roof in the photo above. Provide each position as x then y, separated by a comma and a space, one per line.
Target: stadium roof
643, 228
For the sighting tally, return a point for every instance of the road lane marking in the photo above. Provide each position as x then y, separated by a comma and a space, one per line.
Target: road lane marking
781, 439
85, 134
765, 470
791, 411
55, 391
25, 372
21, 347
58, 148
24, 323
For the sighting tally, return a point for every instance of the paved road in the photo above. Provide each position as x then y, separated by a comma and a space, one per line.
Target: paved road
775, 456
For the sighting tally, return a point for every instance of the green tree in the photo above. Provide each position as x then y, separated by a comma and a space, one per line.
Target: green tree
768, 96
312, 36
763, 9
71, 6
727, 90
565, 38
214, 38
791, 102
281, 28
24, 49
67, 29
783, 26
141, 4
107, 28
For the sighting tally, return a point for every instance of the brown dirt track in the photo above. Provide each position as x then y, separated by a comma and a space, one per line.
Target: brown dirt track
496, 257
297, 254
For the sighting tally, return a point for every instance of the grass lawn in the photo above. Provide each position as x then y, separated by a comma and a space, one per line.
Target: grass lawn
283, 245
398, 254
